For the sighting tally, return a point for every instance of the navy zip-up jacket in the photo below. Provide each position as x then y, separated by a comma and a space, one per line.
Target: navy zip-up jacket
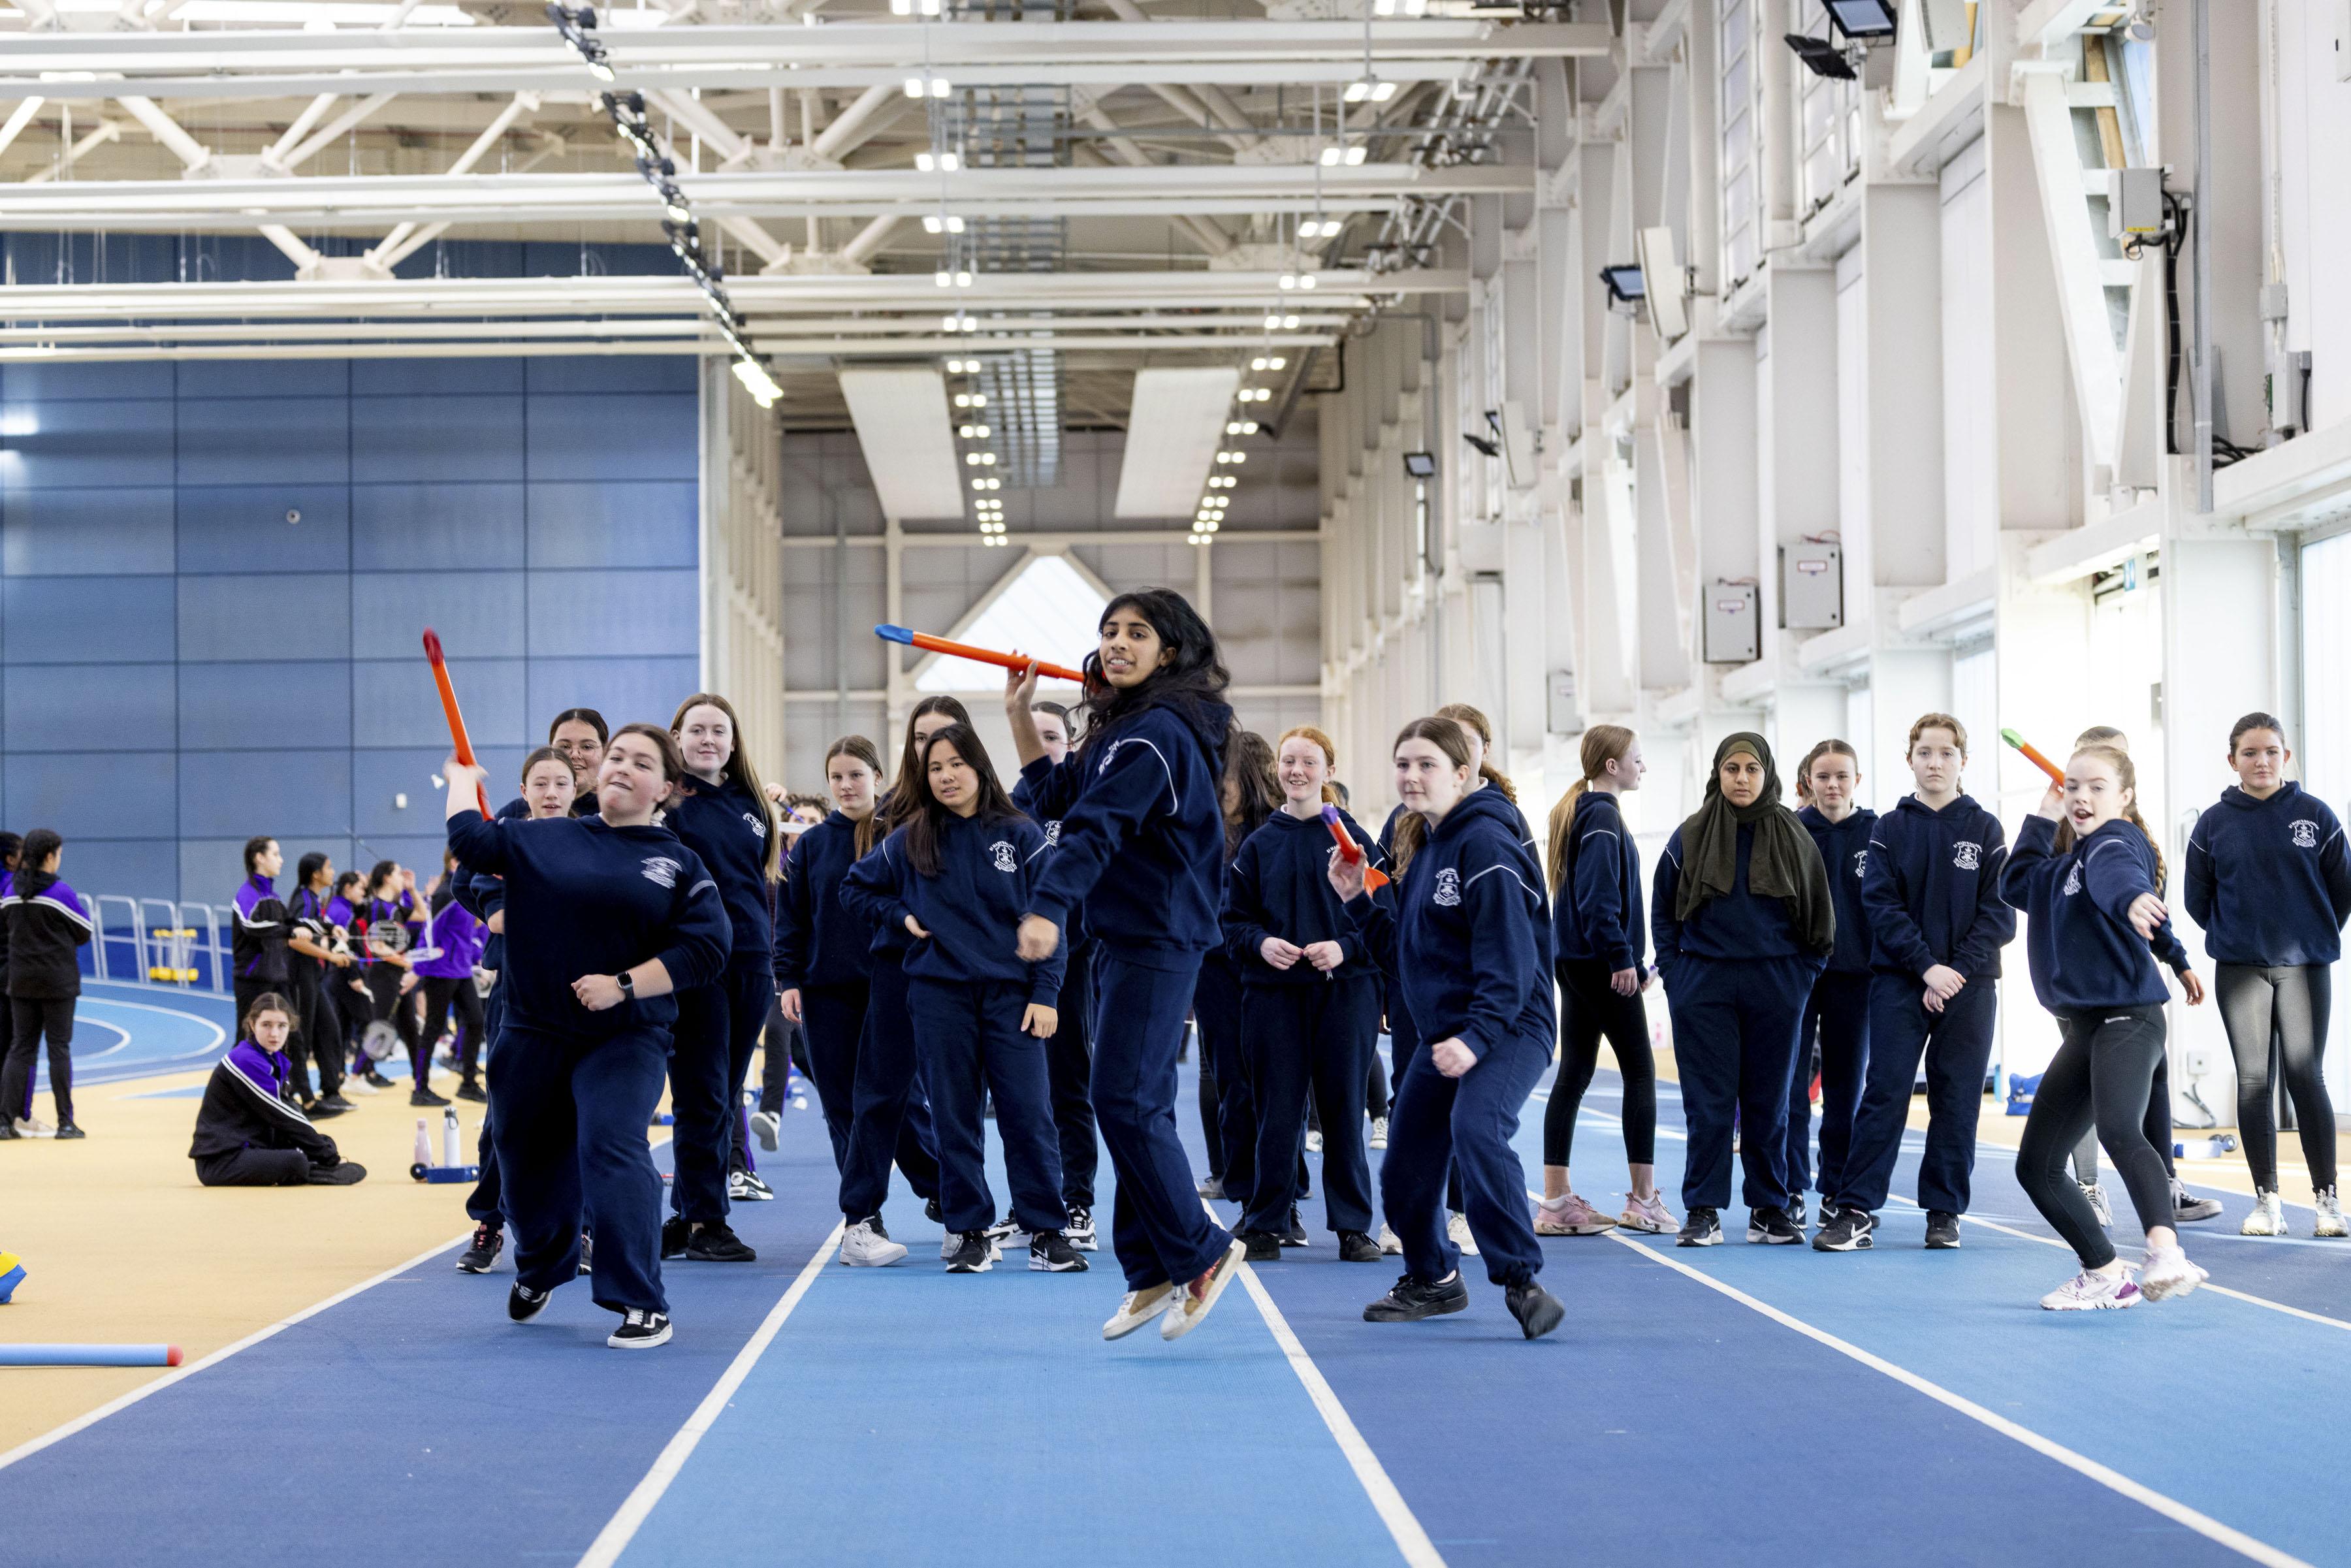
820, 940
2270, 881
1280, 885
1844, 851
2078, 941
1739, 924
1597, 913
724, 825
589, 898
972, 908
1469, 939
1144, 794
1932, 891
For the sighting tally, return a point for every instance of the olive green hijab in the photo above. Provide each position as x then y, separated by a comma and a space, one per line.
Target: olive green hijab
1783, 863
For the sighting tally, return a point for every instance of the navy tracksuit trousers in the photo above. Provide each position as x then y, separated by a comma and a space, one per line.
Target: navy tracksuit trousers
1069, 1063
1317, 1038
1956, 1046
1735, 1027
1838, 1018
891, 1119
1216, 1005
717, 1028
969, 1039
568, 1118
1160, 1230
834, 1019
1464, 1125
485, 1204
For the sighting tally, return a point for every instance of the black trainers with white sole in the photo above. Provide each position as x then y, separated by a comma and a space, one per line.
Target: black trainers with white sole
587, 1254
1412, 1298
1080, 1231
1536, 1310
1050, 1252
676, 1231
1702, 1228
641, 1329
1849, 1231
933, 1212
1942, 1230
1772, 1227
1264, 1246
488, 1242
974, 1253
715, 1241
523, 1303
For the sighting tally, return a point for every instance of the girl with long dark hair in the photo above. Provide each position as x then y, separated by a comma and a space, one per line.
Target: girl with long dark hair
259, 926
47, 923
1141, 850
247, 1132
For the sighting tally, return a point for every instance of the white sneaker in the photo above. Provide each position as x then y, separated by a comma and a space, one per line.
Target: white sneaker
861, 1248
1457, 1228
2091, 1292
1391, 1244
2330, 1215
1138, 1308
34, 1127
355, 1084
2268, 1217
1080, 1230
2097, 1196
1379, 1139
2168, 1273
764, 1125
1313, 1142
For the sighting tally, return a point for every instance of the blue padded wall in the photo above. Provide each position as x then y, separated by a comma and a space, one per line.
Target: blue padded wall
181, 666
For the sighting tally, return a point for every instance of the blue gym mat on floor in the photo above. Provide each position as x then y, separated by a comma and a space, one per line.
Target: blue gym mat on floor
1893, 1408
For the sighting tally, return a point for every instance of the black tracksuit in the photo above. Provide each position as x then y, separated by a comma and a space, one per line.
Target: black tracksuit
47, 926
247, 1132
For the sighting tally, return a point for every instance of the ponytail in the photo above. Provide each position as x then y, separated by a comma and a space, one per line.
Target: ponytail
1603, 744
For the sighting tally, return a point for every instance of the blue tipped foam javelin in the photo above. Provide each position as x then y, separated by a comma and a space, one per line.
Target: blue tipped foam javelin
89, 1355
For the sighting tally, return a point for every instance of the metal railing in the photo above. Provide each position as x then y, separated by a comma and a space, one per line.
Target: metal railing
156, 941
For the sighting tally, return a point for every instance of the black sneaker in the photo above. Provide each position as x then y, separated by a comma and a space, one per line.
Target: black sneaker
1412, 1298
1295, 1234
473, 1091
1772, 1227
1942, 1230
676, 1231
375, 1080
67, 1130
1080, 1231
1007, 1229
9, 1133
1702, 1228
523, 1303
714, 1241
1264, 1246
488, 1242
640, 1329
2186, 1207
1849, 1231
1536, 1310
1354, 1246
879, 1228
974, 1253
335, 1104
934, 1213
321, 1110
426, 1097
1050, 1252
587, 1255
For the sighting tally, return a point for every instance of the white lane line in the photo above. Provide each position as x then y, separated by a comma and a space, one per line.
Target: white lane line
1411, 1540
2171, 1507
614, 1538
2262, 1301
81, 1423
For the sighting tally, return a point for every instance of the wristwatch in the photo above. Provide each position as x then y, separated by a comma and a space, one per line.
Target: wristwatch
628, 983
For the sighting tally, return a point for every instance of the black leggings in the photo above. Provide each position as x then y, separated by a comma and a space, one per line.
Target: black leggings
1591, 1009
34, 1017
2287, 1004
2156, 1125
441, 991
2101, 1076
255, 1167
391, 1005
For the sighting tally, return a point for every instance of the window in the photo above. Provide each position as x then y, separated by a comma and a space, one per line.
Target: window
1049, 609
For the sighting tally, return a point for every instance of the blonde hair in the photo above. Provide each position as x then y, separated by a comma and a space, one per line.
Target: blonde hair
1330, 752
1603, 744
772, 863
1928, 721
2113, 747
1832, 748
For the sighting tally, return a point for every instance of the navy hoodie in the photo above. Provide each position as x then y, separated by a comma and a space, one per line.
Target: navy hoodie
2270, 881
820, 940
1470, 939
1932, 894
1281, 886
1142, 846
1844, 851
1598, 915
726, 826
1739, 924
2078, 940
587, 898
987, 869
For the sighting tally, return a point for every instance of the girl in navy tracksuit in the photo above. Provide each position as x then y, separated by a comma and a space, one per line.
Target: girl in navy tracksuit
47, 924
1467, 935
722, 815
1247, 796
1143, 851
821, 957
1744, 923
1309, 1007
607, 916
887, 1098
1931, 895
955, 878
1837, 1015
2269, 879
1070, 1054
1597, 938
2094, 911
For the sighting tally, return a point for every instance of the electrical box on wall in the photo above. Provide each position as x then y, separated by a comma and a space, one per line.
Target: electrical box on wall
1734, 623
1812, 585
1561, 714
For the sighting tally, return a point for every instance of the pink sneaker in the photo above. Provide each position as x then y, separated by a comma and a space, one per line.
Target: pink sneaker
1569, 1215
1647, 1213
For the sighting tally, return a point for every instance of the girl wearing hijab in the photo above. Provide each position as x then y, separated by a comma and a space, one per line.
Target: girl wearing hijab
1743, 922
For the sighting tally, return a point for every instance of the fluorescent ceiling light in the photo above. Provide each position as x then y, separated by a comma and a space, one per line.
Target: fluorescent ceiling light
1185, 413
901, 414
1049, 609
294, 13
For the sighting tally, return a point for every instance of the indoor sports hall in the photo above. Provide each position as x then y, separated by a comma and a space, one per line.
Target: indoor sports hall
1080, 782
